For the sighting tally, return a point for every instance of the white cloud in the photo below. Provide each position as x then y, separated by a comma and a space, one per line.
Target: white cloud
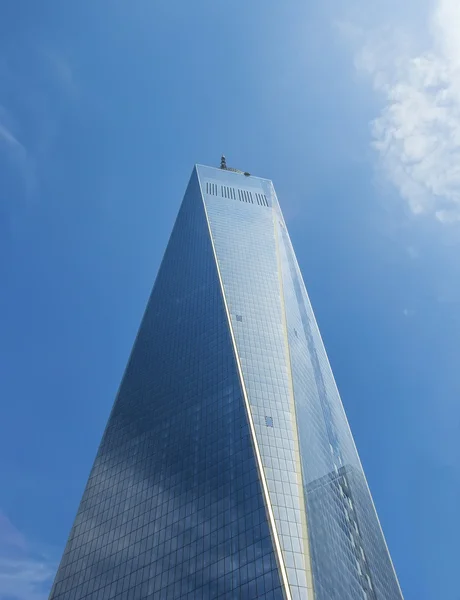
8, 141
25, 573
8, 138
17, 157
43, 86
417, 134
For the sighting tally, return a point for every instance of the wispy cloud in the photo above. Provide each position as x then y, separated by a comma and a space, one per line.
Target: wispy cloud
9, 142
13, 151
43, 88
417, 133
60, 71
8, 138
25, 572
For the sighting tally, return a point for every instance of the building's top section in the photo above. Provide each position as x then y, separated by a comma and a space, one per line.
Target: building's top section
232, 184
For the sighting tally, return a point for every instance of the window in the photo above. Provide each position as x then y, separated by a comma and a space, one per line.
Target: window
261, 199
211, 188
269, 421
239, 318
227, 192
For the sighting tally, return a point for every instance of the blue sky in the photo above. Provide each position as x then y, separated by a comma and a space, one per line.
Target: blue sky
354, 113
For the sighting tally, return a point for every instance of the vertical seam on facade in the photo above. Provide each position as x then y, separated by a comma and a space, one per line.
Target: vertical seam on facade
345, 414
265, 490
303, 516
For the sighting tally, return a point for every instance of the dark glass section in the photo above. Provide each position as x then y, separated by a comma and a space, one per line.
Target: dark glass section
173, 507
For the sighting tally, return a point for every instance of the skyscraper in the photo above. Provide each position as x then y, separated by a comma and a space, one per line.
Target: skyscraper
227, 468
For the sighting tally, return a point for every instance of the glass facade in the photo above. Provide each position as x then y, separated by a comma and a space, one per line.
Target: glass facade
173, 507
227, 468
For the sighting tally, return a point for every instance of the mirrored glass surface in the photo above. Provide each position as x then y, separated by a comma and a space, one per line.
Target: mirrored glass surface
173, 507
